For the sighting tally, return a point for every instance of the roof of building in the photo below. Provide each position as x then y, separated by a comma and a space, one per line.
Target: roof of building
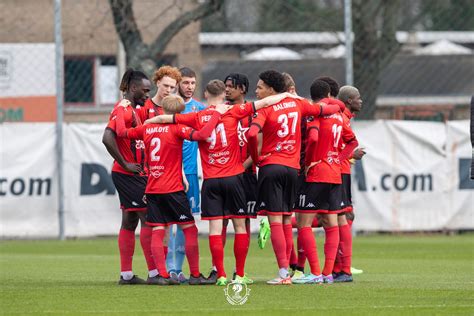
406, 78
443, 47
323, 38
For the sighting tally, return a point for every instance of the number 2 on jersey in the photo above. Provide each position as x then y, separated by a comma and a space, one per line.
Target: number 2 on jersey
283, 119
221, 131
155, 142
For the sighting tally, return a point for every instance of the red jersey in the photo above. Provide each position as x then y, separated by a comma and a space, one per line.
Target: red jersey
133, 151
281, 128
149, 109
242, 132
220, 153
164, 149
331, 133
346, 117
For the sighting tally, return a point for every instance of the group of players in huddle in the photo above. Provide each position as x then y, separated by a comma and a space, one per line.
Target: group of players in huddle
302, 150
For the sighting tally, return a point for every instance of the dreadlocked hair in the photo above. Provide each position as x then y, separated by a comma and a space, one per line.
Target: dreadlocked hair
131, 76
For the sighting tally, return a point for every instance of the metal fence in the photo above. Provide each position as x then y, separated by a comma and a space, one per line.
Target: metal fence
407, 55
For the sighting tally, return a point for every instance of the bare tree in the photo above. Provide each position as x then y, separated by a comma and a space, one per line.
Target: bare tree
146, 56
375, 25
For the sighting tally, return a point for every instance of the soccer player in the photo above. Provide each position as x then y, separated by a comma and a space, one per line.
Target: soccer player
129, 178
236, 87
166, 79
322, 190
334, 91
297, 262
333, 85
222, 192
342, 268
175, 258
279, 161
167, 202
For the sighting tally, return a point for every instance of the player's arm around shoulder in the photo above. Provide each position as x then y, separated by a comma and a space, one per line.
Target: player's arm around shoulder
273, 99
207, 129
161, 119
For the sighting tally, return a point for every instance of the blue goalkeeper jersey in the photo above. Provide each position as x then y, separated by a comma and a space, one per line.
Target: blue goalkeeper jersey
190, 149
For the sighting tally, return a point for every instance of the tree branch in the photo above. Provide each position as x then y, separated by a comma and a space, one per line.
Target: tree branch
203, 10
125, 23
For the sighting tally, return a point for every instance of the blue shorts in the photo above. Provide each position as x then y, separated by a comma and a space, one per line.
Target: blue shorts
193, 193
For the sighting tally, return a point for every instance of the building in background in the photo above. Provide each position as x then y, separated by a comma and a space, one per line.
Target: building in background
93, 60
432, 78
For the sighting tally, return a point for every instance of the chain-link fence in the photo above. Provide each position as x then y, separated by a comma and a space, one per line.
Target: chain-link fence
411, 59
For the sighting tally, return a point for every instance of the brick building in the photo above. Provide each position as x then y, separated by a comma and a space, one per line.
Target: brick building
91, 47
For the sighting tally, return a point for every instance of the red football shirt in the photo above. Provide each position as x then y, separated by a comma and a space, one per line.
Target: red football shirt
164, 149
345, 164
149, 110
133, 151
220, 153
242, 132
281, 128
331, 133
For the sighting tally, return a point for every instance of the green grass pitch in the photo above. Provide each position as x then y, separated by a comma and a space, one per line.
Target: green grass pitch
403, 275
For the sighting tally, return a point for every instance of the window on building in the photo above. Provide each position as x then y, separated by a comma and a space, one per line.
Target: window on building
90, 81
79, 80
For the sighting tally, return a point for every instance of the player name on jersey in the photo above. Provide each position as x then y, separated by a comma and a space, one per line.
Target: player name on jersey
284, 105
157, 129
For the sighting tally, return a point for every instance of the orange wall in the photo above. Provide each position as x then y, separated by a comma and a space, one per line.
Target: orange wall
28, 109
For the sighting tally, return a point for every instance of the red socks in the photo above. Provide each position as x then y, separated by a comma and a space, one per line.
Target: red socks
330, 248
310, 250
126, 243
192, 249
279, 244
158, 252
338, 262
217, 252
145, 241
241, 247
345, 245
293, 257
288, 229
301, 254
